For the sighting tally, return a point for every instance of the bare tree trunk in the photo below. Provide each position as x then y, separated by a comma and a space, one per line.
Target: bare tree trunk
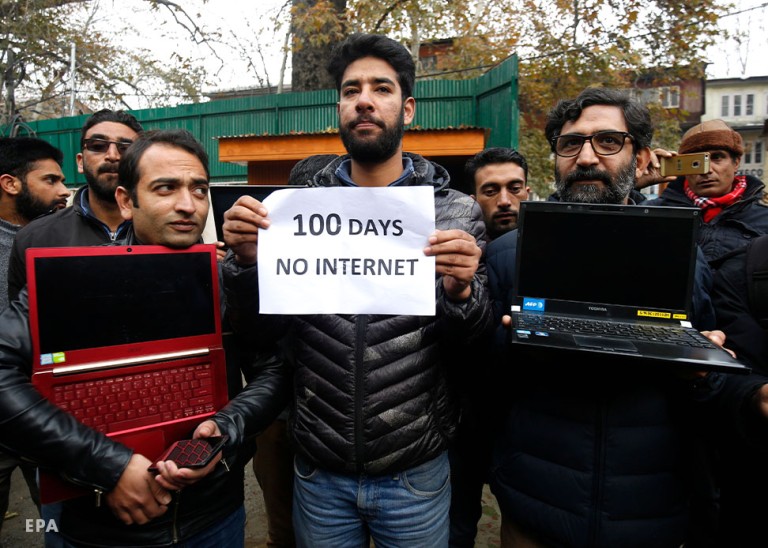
9, 83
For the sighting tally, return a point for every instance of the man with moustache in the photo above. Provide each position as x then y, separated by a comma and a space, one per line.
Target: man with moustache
373, 413
498, 177
31, 185
94, 217
164, 192
730, 204
600, 454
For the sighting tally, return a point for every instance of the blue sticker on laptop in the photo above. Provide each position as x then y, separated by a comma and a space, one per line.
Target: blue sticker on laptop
534, 305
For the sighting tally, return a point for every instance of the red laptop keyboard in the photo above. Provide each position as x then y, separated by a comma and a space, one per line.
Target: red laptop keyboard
132, 401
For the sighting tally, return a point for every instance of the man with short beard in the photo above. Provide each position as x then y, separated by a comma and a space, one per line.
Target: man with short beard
600, 453
94, 217
31, 184
371, 441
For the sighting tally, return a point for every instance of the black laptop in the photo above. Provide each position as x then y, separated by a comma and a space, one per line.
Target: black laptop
615, 279
224, 197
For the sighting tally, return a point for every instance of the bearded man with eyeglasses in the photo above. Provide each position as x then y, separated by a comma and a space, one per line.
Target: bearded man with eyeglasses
602, 453
94, 218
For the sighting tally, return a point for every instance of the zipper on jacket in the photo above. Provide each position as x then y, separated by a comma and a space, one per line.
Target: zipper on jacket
597, 481
360, 322
86, 212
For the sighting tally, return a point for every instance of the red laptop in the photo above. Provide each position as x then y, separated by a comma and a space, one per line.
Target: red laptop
128, 340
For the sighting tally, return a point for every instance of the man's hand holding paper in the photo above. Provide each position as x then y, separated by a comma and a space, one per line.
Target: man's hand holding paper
241, 228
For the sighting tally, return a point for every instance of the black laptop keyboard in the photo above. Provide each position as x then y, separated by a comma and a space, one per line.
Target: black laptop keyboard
632, 331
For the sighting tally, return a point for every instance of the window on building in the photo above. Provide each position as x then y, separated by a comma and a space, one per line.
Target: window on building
750, 106
667, 96
670, 96
747, 153
725, 103
428, 63
758, 152
737, 105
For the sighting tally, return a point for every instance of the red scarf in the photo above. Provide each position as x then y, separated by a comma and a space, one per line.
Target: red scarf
713, 206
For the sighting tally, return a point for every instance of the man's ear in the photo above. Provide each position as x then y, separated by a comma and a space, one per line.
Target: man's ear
79, 160
643, 158
124, 202
409, 110
9, 184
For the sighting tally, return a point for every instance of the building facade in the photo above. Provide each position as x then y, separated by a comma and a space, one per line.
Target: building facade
743, 104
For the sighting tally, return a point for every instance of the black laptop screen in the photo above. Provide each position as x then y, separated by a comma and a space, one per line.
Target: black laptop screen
223, 197
101, 301
635, 260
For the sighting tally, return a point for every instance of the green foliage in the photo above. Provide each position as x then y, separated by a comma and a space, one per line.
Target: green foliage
316, 23
536, 149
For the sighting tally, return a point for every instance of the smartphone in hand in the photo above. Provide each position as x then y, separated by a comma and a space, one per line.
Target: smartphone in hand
685, 164
196, 453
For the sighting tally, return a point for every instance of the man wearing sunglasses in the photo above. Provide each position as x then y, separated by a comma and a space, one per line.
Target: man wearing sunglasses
602, 453
94, 217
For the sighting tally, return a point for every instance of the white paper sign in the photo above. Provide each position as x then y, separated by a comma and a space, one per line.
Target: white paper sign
348, 250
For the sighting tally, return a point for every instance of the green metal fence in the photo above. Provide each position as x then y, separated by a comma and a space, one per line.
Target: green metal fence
488, 101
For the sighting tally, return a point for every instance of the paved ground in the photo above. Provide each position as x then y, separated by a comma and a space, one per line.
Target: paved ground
15, 535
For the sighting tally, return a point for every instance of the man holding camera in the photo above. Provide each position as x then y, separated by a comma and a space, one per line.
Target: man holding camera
732, 210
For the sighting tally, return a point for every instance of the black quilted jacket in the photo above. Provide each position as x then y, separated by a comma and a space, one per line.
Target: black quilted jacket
371, 393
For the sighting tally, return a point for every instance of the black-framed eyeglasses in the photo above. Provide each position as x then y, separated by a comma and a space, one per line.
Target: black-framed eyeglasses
604, 143
102, 145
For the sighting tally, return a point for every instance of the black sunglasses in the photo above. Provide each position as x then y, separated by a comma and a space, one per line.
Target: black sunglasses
102, 145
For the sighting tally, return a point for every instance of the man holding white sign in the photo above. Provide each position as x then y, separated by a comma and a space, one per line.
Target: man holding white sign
373, 412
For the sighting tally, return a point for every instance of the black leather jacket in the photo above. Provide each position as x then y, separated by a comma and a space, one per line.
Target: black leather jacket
53, 439
371, 391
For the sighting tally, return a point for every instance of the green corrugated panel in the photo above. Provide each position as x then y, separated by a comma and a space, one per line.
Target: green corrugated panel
488, 101
497, 106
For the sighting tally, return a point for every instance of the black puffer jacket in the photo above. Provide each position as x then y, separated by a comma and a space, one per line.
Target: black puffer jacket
55, 440
733, 228
371, 393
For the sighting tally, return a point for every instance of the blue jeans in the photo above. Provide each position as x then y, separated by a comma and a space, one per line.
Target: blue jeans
409, 508
227, 533
52, 512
